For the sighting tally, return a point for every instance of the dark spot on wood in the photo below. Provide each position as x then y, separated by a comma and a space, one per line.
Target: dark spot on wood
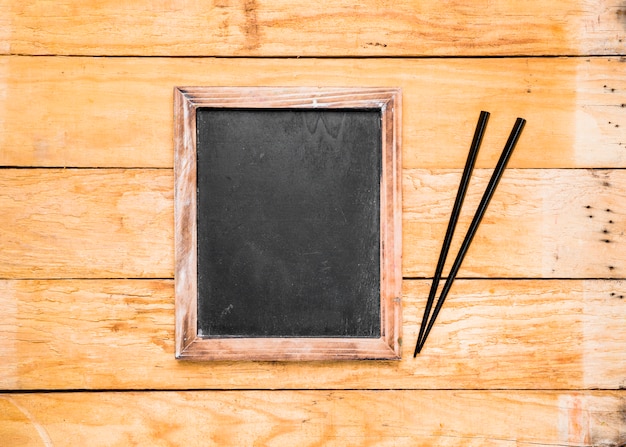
588, 206
251, 27
116, 327
160, 342
606, 184
608, 210
605, 231
612, 293
617, 125
606, 241
591, 216
610, 221
611, 267
529, 91
622, 413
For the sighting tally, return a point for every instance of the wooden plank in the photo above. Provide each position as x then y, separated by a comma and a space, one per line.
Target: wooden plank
540, 223
299, 28
491, 334
109, 223
83, 223
118, 112
306, 418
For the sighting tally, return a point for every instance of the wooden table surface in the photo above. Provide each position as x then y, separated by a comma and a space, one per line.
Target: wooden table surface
530, 347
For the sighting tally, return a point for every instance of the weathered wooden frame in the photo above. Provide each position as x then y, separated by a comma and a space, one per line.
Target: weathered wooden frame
190, 346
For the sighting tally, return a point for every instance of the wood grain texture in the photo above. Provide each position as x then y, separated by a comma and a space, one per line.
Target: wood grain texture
118, 112
298, 28
85, 223
509, 362
110, 223
491, 334
540, 223
306, 418
185, 222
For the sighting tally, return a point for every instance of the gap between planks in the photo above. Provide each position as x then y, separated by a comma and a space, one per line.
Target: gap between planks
342, 57
355, 390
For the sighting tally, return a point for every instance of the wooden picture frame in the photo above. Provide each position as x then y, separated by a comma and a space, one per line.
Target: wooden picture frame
188, 101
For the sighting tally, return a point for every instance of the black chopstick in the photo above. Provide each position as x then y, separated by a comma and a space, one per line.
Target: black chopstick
484, 202
454, 217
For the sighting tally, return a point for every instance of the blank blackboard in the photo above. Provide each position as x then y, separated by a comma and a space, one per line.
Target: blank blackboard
288, 222
287, 215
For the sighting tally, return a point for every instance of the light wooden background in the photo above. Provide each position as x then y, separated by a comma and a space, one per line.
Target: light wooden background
530, 348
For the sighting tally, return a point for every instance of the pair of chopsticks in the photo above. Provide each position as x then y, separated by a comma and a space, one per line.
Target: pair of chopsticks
456, 209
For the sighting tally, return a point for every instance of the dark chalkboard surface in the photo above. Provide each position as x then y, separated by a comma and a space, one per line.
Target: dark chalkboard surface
288, 222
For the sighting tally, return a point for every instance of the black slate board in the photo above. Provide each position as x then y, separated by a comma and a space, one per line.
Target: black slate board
288, 222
